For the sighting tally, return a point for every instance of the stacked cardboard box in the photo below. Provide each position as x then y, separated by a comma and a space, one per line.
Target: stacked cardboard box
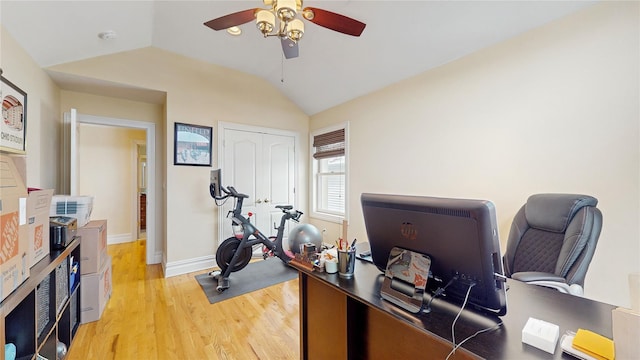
38, 204
14, 259
95, 267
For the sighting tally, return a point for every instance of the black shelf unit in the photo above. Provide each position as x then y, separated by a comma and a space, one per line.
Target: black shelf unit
45, 309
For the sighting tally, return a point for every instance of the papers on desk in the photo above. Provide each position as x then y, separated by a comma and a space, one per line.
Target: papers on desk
588, 345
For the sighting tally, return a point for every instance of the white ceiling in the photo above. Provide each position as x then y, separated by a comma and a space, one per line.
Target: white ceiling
402, 39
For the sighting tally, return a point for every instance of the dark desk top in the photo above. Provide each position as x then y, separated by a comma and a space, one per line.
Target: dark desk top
523, 301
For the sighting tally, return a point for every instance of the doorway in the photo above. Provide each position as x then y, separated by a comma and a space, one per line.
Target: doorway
140, 164
72, 120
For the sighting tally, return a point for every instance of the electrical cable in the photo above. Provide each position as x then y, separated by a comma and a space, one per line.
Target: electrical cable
439, 291
453, 335
464, 304
494, 327
222, 203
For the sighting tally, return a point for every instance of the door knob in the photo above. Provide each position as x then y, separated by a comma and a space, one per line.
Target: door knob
266, 200
258, 201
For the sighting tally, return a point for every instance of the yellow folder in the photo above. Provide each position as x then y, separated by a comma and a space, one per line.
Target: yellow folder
594, 345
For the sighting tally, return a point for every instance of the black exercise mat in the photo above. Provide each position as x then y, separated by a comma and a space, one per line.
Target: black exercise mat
255, 276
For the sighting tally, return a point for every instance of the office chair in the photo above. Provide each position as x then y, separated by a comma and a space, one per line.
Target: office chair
552, 240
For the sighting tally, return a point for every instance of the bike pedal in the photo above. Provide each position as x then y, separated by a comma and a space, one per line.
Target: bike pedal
223, 284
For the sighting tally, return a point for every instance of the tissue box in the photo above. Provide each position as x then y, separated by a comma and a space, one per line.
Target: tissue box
541, 334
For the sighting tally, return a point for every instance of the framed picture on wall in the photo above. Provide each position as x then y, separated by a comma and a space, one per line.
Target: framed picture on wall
192, 145
13, 129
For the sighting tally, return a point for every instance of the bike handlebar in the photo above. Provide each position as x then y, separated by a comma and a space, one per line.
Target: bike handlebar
293, 214
231, 191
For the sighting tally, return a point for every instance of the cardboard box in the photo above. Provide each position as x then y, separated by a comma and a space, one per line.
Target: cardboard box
14, 261
93, 246
78, 207
38, 204
95, 291
626, 332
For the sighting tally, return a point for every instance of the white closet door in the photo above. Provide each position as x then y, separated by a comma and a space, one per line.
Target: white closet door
263, 167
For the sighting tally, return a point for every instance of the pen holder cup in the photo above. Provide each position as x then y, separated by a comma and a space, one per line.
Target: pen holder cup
346, 263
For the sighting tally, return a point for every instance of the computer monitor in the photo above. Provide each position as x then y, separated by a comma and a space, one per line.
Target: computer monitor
459, 235
214, 186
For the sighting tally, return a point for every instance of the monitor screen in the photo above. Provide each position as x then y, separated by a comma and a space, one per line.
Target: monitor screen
460, 236
214, 186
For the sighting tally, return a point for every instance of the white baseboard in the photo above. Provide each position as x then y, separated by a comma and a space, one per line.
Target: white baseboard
186, 266
119, 238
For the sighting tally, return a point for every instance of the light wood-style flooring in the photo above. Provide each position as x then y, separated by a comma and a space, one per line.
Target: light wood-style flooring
150, 317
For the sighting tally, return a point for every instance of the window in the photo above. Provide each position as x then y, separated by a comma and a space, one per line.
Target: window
329, 173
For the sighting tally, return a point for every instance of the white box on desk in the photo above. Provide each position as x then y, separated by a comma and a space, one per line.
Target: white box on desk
78, 207
14, 242
541, 334
38, 204
95, 291
93, 246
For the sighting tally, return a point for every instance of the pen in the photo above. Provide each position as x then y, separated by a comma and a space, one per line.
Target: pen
353, 244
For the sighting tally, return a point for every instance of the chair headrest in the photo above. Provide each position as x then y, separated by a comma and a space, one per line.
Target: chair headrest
553, 212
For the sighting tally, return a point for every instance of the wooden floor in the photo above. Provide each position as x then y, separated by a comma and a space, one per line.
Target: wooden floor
150, 317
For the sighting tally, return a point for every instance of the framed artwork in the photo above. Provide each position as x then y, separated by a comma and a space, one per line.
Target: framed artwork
192, 145
13, 129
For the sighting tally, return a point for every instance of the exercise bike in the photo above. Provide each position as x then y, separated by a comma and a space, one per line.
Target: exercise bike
234, 253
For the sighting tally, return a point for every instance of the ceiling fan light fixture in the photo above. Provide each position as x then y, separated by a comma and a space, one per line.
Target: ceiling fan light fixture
265, 21
295, 30
286, 9
308, 14
234, 30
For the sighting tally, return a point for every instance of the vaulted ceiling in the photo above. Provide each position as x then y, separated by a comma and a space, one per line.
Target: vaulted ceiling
401, 39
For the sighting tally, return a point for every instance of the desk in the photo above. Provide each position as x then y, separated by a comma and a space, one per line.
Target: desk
347, 319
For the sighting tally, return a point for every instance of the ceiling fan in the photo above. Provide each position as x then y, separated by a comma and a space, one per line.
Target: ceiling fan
289, 28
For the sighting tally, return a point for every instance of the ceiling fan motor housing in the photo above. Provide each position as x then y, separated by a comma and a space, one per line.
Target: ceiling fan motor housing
273, 4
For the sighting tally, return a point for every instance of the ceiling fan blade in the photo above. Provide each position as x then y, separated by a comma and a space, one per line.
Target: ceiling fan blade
289, 48
333, 21
235, 19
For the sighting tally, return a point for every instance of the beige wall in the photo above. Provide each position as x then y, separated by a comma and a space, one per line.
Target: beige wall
553, 110
201, 94
43, 118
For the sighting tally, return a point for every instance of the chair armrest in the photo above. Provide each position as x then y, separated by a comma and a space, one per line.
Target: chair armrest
549, 280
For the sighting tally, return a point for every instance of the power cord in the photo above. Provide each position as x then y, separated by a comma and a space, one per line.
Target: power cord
453, 334
218, 203
439, 291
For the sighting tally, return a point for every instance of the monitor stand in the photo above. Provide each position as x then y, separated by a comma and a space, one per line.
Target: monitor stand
405, 279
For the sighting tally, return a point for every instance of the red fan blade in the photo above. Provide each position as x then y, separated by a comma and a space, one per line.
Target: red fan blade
235, 19
333, 21
289, 48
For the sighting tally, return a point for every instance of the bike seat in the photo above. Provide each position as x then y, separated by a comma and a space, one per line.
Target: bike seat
284, 207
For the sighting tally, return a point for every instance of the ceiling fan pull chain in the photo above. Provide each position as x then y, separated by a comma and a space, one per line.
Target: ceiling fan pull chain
282, 68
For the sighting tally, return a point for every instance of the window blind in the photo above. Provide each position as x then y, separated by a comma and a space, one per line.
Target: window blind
329, 144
